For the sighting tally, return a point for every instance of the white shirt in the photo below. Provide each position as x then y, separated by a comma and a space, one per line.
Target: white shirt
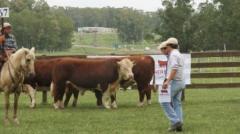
175, 61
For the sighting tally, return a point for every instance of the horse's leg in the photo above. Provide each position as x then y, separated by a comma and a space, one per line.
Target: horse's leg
32, 93
6, 118
75, 99
15, 107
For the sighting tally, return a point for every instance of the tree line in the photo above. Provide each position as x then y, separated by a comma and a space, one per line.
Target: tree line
213, 25
36, 24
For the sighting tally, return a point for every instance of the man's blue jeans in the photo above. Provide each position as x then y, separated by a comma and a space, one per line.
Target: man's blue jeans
173, 110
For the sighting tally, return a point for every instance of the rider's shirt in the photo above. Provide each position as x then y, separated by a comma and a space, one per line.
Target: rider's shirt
10, 42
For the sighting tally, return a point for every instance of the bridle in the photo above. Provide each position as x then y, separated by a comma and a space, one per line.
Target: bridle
15, 82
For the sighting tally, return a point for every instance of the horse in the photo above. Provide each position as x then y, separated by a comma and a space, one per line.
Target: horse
18, 66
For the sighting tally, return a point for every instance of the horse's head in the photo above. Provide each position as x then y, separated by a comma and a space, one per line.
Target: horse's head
24, 59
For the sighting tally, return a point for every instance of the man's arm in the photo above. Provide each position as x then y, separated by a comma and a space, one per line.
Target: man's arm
2, 39
170, 77
174, 67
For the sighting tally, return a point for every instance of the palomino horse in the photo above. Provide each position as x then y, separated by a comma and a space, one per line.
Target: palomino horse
15, 69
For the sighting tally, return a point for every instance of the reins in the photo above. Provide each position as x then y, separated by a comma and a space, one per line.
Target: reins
9, 63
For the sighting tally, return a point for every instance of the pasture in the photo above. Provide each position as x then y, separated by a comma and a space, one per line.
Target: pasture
105, 44
207, 111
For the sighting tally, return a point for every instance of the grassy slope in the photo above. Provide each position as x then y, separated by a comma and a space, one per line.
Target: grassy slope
105, 44
107, 39
206, 112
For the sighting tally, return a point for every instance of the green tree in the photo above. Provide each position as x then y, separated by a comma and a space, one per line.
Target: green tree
36, 24
175, 22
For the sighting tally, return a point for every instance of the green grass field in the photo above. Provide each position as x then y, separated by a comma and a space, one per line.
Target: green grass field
206, 112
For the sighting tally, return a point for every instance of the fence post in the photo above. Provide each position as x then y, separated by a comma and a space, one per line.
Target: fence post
44, 97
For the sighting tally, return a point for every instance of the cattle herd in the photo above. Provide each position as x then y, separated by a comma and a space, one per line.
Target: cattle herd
71, 76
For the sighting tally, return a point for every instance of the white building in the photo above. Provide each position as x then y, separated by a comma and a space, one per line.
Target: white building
97, 30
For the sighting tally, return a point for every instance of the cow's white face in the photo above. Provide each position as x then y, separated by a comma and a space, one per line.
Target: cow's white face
125, 69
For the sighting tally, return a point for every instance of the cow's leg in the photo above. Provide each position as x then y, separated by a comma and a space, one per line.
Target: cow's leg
141, 96
61, 104
114, 88
106, 99
67, 98
54, 93
59, 90
75, 99
32, 93
113, 101
99, 95
15, 107
148, 95
6, 98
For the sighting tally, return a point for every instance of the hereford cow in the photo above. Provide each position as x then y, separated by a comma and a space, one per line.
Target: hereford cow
143, 73
104, 75
43, 68
42, 78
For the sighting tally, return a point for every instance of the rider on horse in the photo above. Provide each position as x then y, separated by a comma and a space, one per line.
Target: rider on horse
8, 43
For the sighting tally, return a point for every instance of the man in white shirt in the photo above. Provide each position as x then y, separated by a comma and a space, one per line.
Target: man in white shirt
174, 79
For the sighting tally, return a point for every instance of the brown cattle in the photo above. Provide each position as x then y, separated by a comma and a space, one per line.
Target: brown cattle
43, 69
143, 73
104, 75
43, 77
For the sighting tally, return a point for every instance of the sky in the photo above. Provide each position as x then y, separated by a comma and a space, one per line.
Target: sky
146, 5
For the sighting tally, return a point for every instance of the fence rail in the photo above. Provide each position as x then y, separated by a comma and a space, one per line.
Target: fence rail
194, 66
217, 64
215, 75
214, 85
206, 65
215, 54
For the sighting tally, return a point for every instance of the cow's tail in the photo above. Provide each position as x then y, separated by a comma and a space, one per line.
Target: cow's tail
153, 86
52, 89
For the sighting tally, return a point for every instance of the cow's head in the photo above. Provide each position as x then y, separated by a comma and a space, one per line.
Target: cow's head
125, 69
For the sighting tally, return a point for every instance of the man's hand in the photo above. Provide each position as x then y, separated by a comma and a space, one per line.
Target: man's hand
167, 81
165, 85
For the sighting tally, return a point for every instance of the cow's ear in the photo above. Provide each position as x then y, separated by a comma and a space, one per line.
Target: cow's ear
118, 64
33, 50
